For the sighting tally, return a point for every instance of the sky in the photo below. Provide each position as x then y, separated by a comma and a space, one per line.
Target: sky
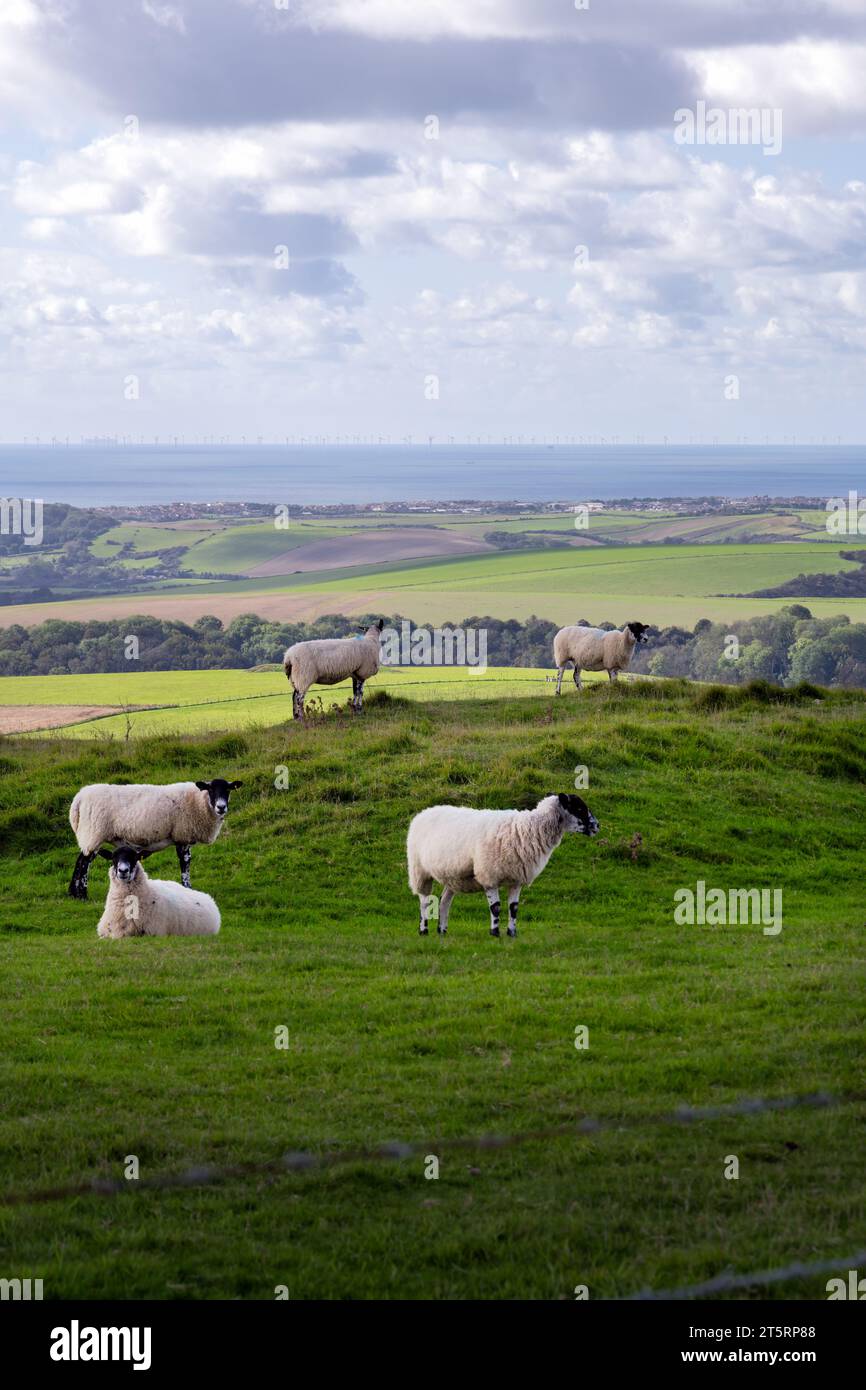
294, 218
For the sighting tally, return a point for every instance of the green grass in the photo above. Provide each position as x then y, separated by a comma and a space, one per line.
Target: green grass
146, 538
165, 1049
240, 548
658, 571
197, 701
658, 583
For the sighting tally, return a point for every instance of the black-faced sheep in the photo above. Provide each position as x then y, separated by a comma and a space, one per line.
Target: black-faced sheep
594, 649
330, 660
140, 906
471, 851
150, 817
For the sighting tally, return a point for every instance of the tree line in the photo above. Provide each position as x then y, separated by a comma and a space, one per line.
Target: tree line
785, 647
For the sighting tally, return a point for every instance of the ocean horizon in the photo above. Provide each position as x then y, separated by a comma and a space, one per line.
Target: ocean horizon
304, 474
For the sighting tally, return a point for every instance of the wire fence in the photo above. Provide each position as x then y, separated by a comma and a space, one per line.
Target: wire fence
119, 711
759, 1278
305, 1162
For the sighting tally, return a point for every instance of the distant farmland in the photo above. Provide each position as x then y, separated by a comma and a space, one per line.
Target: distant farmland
611, 581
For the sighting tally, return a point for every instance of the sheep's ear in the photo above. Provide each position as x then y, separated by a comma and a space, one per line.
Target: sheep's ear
203, 786
380, 624
146, 853
105, 853
233, 786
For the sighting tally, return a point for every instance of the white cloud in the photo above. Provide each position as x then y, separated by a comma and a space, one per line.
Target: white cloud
168, 16
817, 84
153, 250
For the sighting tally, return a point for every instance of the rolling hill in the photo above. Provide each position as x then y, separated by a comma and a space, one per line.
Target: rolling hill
166, 1049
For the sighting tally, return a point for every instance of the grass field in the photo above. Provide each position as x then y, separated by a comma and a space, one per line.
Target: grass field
197, 701
165, 1049
146, 538
660, 584
241, 547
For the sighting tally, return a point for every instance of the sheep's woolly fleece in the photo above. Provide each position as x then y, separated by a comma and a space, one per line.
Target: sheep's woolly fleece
143, 815
471, 851
161, 908
593, 649
331, 660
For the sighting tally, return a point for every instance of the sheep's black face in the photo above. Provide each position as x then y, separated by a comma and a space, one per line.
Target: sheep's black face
638, 631
219, 791
578, 817
124, 863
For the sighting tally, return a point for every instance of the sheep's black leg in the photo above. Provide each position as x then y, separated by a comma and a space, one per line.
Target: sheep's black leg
612, 675
184, 855
78, 882
492, 895
577, 676
357, 694
513, 903
297, 705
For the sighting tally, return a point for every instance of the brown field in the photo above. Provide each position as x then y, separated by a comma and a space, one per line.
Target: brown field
19, 719
371, 548
696, 529
280, 607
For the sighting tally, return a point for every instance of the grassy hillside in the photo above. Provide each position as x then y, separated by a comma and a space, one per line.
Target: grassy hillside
198, 701
238, 548
165, 1049
147, 538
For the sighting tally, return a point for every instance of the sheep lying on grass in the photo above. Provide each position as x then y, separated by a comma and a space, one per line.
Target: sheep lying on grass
483, 851
149, 817
594, 649
331, 660
140, 906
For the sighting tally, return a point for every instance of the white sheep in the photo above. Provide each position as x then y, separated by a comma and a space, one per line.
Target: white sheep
146, 816
140, 906
594, 649
471, 851
331, 660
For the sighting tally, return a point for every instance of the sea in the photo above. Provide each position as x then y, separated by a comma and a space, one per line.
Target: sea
309, 474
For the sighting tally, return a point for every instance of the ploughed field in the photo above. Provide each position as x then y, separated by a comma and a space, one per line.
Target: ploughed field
165, 1049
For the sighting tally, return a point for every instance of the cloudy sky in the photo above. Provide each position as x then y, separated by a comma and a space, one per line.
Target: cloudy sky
430, 217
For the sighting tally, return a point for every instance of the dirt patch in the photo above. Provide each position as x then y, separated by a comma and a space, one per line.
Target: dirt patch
371, 548
20, 719
281, 607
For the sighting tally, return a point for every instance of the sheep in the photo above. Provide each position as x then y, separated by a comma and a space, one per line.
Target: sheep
331, 660
594, 649
471, 851
140, 906
149, 817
